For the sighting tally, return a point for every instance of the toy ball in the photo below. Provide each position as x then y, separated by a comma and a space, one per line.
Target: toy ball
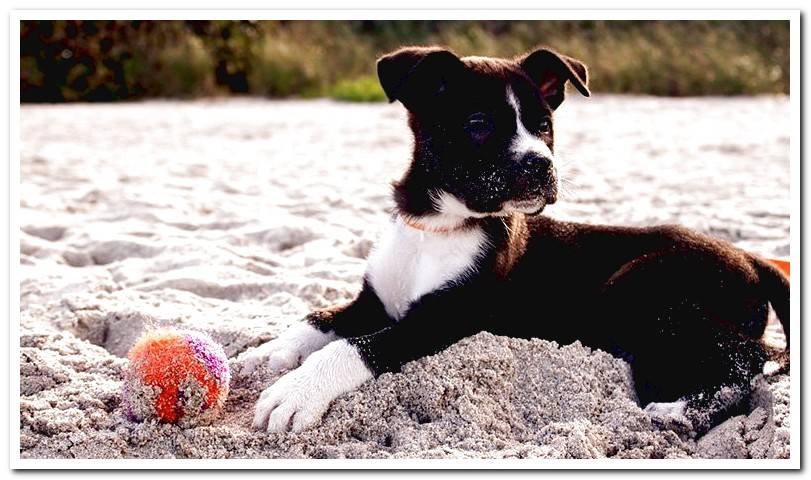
175, 376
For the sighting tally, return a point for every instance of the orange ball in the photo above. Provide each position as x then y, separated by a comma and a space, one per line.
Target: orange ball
176, 376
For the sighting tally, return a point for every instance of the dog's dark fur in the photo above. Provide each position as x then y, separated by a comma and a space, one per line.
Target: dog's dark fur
686, 311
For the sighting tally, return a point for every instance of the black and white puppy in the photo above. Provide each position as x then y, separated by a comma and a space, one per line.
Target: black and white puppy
467, 251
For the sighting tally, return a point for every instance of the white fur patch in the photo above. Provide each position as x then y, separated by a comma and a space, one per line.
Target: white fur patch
406, 263
451, 209
524, 141
288, 350
453, 212
662, 409
770, 368
298, 399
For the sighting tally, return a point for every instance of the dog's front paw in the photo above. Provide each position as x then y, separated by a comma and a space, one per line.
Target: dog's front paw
286, 405
278, 355
287, 351
254, 357
298, 399
669, 416
661, 409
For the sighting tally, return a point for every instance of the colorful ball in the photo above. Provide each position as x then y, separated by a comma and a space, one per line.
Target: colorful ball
176, 376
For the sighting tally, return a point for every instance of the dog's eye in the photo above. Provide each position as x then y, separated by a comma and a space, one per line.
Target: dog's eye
545, 126
478, 121
479, 127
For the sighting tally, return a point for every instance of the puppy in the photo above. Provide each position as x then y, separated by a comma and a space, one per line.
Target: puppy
467, 250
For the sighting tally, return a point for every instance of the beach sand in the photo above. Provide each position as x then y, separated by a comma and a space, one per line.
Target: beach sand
237, 217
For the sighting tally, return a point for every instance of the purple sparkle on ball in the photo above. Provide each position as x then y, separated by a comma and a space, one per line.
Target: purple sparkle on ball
209, 353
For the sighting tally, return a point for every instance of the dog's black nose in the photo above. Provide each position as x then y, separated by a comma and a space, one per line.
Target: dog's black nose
536, 162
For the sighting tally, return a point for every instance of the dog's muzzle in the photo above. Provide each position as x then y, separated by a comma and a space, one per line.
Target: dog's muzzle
535, 180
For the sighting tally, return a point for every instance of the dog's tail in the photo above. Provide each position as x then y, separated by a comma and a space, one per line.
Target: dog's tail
776, 286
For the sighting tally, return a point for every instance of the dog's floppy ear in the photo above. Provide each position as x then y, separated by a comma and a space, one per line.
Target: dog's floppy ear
550, 71
414, 75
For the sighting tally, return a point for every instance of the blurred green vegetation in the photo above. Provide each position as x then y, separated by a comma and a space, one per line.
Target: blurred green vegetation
360, 89
117, 60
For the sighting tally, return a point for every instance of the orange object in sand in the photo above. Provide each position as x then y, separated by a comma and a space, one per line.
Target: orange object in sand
781, 263
175, 375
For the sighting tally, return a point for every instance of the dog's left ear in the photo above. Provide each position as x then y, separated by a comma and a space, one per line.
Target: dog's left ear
550, 71
416, 76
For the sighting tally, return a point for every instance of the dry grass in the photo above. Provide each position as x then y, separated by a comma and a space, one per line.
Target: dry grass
337, 58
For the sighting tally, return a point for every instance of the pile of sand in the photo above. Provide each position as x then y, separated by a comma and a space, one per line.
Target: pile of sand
238, 217
487, 396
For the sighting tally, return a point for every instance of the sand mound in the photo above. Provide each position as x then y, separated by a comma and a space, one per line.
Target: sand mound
485, 397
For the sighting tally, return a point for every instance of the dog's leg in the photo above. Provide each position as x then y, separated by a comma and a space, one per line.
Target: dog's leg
694, 414
364, 315
299, 399
287, 350
713, 387
687, 339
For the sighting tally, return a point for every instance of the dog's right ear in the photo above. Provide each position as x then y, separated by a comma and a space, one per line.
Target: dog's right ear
416, 75
551, 70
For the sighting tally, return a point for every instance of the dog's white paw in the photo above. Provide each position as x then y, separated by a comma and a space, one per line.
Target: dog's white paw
285, 359
254, 357
670, 416
662, 409
298, 399
288, 350
770, 368
286, 406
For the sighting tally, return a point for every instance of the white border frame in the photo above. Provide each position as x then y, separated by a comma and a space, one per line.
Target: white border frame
793, 16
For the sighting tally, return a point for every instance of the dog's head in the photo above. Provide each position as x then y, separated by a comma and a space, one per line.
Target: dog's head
483, 132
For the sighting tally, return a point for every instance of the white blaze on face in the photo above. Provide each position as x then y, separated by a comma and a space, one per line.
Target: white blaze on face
524, 141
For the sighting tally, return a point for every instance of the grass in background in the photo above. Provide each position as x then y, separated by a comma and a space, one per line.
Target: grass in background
114, 60
361, 89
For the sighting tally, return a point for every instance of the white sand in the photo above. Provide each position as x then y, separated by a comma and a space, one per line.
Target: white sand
239, 216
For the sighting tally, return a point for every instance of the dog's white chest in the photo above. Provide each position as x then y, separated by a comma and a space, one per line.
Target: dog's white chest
407, 263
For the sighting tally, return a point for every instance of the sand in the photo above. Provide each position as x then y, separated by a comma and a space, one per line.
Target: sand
237, 217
